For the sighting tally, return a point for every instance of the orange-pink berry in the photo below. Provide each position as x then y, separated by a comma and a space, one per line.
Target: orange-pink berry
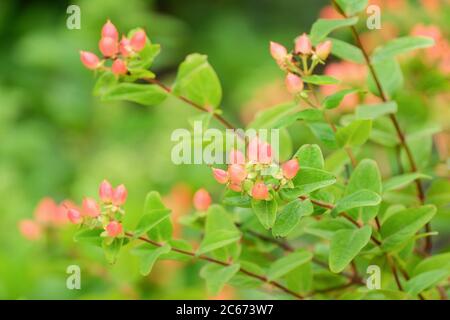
138, 40
110, 31
294, 84
114, 229
290, 168
220, 175
323, 49
260, 191
278, 52
237, 173
202, 200
303, 44
89, 59
125, 47
30, 229
108, 46
74, 216
236, 157
91, 208
119, 67
119, 195
105, 191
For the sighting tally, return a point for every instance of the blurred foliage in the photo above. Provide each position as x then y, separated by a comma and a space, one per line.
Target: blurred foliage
57, 140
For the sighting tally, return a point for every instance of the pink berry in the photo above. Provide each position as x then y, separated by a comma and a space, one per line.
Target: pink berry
119, 195
119, 67
74, 216
235, 187
323, 50
138, 40
303, 44
125, 47
45, 210
260, 191
237, 173
90, 208
89, 59
30, 229
114, 228
110, 31
236, 157
220, 175
290, 168
278, 52
259, 151
105, 191
294, 84
108, 46
202, 200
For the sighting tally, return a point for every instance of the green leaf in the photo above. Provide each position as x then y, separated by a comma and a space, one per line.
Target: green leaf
154, 214
324, 133
355, 134
425, 280
346, 51
220, 230
288, 263
323, 27
112, 249
91, 236
145, 94
276, 117
308, 180
326, 228
105, 82
345, 246
351, 7
365, 176
309, 115
358, 199
197, 81
144, 59
334, 100
301, 278
237, 199
373, 111
403, 180
400, 45
217, 276
149, 255
265, 211
320, 80
390, 76
402, 225
173, 255
290, 215
440, 261
310, 155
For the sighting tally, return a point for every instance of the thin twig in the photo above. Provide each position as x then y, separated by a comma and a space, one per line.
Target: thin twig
222, 263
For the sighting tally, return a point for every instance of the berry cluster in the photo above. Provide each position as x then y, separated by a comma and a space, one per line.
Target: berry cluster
107, 214
301, 61
111, 48
47, 215
259, 173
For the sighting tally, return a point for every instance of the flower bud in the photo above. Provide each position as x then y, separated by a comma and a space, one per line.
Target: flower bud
30, 229
290, 168
237, 173
110, 31
323, 50
138, 40
90, 208
303, 44
294, 84
118, 67
235, 187
125, 47
202, 200
108, 46
105, 191
89, 59
119, 195
220, 175
260, 191
278, 52
74, 216
236, 157
113, 229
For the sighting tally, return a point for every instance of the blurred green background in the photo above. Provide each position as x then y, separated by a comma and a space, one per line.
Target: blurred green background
57, 140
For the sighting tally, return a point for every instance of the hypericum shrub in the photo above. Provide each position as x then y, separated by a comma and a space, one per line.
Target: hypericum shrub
311, 226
